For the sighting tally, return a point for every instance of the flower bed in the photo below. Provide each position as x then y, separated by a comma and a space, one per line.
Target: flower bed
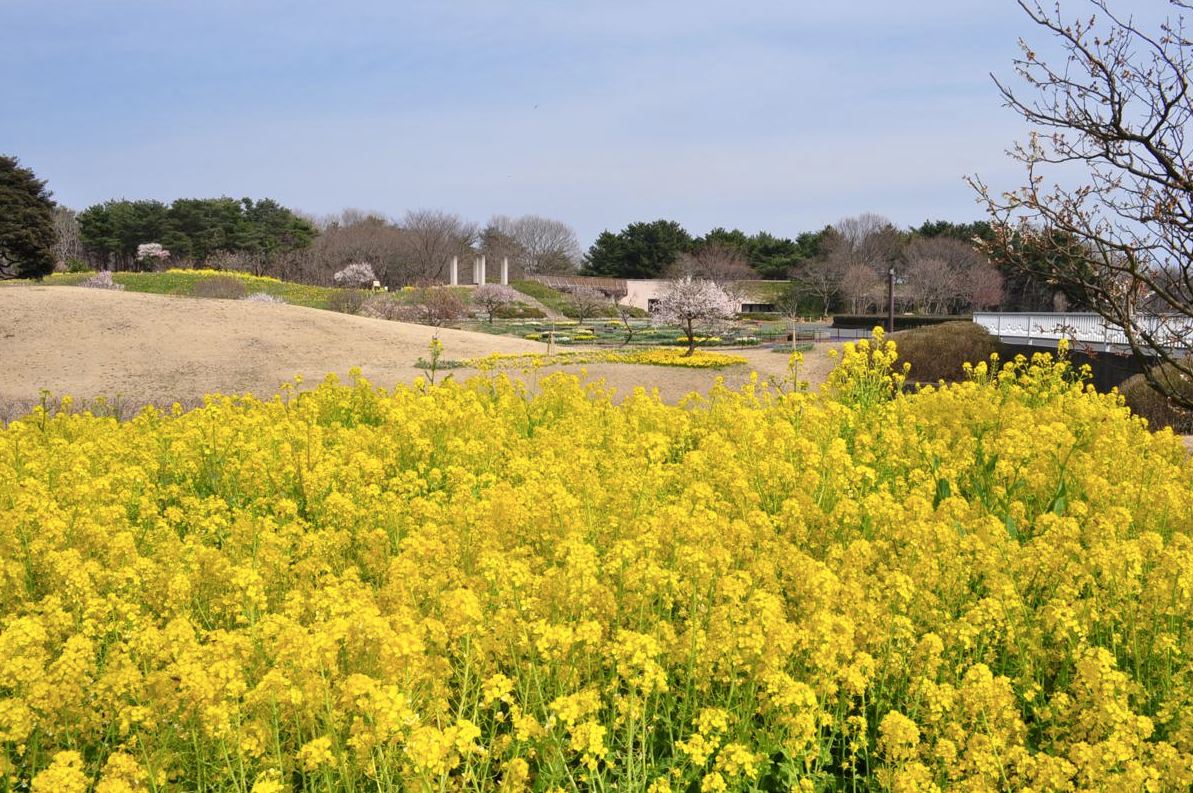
980, 586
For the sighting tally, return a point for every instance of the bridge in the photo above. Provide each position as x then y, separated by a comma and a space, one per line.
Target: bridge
1088, 331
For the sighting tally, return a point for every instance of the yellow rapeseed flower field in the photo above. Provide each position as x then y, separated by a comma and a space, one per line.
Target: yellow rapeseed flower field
984, 586
650, 356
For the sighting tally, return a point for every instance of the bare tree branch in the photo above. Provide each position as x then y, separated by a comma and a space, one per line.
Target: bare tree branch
1108, 187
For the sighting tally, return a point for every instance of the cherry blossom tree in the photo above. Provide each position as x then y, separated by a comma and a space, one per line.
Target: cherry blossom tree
152, 253
693, 303
358, 275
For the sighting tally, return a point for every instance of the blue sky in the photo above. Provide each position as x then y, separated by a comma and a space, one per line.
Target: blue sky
782, 116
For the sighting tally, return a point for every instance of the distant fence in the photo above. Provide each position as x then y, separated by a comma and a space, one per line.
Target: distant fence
611, 287
1045, 329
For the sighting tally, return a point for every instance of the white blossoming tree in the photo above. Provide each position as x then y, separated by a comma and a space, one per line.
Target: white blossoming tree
151, 254
358, 275
693, 303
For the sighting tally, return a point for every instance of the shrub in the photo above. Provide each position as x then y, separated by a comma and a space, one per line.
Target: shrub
102, 280
519, 311
358, 275
602, 310
491, 298
1158, 409
264, 297
220, 287
347, 301
939, 352
386, 307
439, 305
902, 321
76, 265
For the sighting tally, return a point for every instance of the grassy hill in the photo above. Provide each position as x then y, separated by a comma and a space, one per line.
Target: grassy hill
184, 282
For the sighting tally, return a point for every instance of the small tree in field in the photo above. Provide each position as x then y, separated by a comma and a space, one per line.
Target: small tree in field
693, 303
585, 301
358, 275
491, 297
625, 312
789, 304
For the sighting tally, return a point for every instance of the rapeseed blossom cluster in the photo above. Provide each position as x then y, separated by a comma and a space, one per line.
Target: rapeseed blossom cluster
981, 586
650, 356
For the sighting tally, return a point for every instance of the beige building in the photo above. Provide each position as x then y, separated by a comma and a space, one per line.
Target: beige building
754, 296
643, 293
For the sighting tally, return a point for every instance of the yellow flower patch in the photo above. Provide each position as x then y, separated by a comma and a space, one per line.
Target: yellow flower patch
983, 586
654, 356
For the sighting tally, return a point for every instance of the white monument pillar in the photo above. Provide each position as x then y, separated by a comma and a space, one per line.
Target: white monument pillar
455, 271
505, 270
482, 278
476, 269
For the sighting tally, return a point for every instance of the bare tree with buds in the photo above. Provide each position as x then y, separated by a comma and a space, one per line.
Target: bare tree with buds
69, 245
430, 239
438, 305
534, 245
492, 297
715, 262
863, 286
945, 275
1108, 193
584, 301
819, 279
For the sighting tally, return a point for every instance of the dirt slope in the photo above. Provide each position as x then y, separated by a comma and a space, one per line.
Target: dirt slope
91, 342
150, 348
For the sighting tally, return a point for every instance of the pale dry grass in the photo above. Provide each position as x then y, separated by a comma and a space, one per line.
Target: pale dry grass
135, 349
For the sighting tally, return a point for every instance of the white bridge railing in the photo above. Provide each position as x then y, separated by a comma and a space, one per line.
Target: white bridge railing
1045, 329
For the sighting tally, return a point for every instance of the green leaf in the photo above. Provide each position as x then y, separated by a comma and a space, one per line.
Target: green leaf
1012, 528
943, 491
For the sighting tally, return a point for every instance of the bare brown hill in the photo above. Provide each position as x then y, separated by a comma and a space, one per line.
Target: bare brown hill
152, 348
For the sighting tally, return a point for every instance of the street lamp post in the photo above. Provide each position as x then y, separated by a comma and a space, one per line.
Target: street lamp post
890, 298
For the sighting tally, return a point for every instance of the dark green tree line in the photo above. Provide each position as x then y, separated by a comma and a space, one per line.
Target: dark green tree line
27, 233
192, 229
646, 250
